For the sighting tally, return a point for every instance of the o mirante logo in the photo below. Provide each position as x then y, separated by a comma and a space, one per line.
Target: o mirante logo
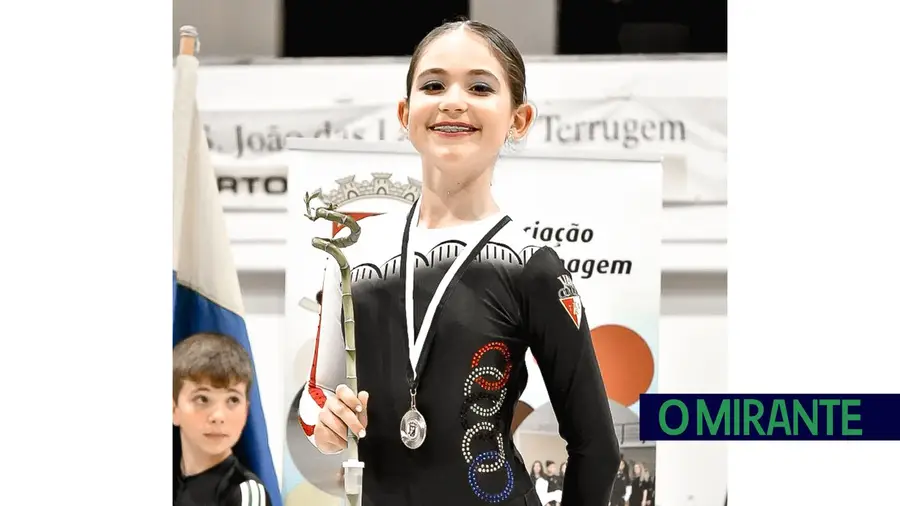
807, 417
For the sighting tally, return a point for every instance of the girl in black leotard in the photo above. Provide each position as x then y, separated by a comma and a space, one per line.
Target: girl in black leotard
649, 485
620, 485
448, 300
639, 492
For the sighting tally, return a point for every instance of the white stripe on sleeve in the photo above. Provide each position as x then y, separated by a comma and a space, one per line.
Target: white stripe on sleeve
262, 493
245, 494
253, 493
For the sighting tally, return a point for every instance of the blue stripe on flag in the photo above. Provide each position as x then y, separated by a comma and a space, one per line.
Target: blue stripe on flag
195, 313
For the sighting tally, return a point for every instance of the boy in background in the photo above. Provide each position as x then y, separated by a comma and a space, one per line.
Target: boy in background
211, 377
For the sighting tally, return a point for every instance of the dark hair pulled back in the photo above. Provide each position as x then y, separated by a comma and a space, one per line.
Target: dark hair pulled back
503, 48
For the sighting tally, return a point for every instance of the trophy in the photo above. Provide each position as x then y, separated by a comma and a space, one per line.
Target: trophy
353, 468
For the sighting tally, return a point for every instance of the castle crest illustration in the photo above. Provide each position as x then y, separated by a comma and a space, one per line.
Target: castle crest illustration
381, 185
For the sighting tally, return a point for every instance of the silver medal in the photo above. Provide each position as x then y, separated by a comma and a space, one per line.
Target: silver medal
413, 429
412, 425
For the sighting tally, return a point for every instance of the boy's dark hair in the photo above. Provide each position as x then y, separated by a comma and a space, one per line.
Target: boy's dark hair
210, 358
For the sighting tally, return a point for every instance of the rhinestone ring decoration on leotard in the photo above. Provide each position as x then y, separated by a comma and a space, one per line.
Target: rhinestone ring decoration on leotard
473, 478
478, 374
486, 382
484, 430
476, 398
502, 379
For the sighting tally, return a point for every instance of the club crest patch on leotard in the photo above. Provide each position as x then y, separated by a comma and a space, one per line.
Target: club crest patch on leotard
569, 298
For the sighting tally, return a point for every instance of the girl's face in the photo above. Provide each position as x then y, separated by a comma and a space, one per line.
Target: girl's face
460, 111
637, 470
537, 468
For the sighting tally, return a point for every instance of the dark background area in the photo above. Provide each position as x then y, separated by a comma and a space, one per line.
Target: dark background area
584, 27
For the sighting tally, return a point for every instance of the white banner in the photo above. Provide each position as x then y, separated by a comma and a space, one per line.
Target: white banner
667, 108
602, 216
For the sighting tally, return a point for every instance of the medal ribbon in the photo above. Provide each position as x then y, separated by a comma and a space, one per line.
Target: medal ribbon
419, 345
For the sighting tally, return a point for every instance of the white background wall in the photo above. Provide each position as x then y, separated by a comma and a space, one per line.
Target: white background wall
266, 335
693, 354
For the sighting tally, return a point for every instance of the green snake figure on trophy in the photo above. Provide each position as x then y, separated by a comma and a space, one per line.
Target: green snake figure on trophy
353, 467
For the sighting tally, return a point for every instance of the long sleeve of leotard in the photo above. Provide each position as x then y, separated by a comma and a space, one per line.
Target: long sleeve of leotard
328, 368
561, 344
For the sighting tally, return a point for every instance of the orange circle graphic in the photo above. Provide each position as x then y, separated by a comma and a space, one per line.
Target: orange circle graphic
625, 361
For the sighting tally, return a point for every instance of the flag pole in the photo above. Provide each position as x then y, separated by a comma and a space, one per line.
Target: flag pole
190, 43
183, 116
